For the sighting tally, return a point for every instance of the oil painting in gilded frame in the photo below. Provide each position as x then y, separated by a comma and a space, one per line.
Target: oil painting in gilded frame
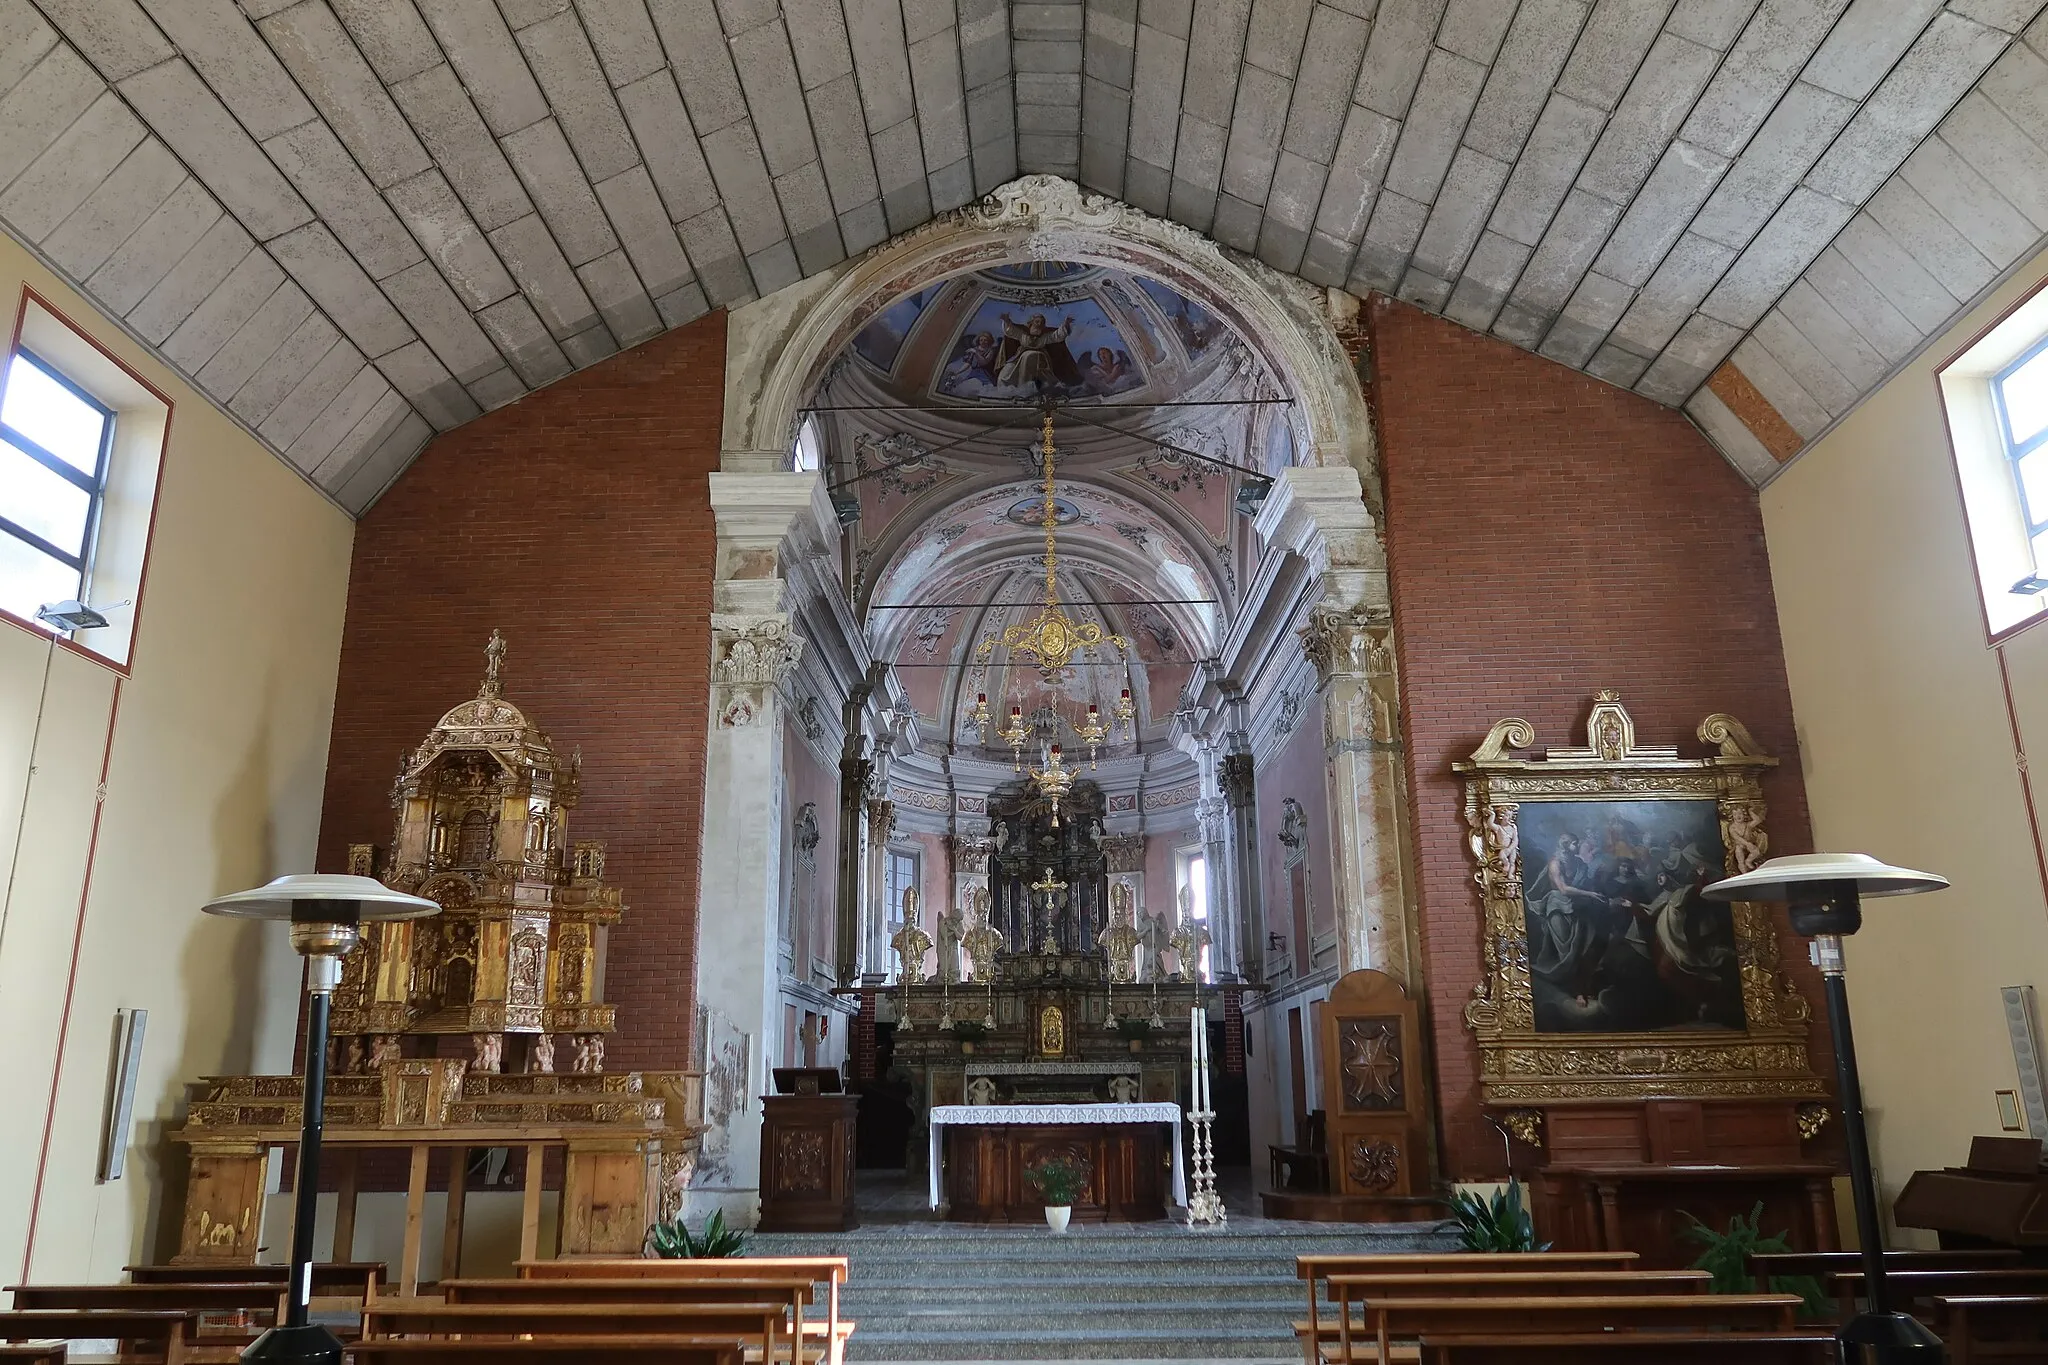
1606, 974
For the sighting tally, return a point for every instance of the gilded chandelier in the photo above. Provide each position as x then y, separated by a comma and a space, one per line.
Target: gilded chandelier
1050, 640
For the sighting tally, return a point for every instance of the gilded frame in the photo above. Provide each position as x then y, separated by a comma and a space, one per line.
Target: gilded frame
1519, 1065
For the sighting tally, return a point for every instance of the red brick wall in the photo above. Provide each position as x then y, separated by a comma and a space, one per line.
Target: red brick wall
578, 521
1549, 535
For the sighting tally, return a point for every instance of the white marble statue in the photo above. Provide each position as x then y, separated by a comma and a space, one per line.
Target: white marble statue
1154, 935
949, 926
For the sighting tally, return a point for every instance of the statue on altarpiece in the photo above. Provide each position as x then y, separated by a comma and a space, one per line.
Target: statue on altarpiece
1119, 939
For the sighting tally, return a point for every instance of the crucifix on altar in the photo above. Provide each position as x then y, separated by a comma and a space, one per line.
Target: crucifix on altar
1054, 891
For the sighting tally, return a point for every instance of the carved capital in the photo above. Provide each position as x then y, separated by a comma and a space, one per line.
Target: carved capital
753, 655
1234, 780
1354, 642
1125, 852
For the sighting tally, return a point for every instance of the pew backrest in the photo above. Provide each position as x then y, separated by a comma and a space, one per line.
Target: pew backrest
616, 1350
1316, 1269
759, 1320
164, 1332
1386, 1320
183, 1298
1624, 1348
330, 1278
1820, 1263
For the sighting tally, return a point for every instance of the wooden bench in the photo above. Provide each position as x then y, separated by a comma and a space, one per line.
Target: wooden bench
163, 1333
1624, 1348
330, 1278
1388, 1320
829, 1271
184, 1298
1992, 1326
796, 1292
1316, 1269
742, 1322
1820, 1263
614, 1350
1502, 1284
34, 1353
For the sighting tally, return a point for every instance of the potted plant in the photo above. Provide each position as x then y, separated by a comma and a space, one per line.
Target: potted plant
1726, 1258
1135, 1030
1495, 1224
969, 1032
1059, 1181
672, 1241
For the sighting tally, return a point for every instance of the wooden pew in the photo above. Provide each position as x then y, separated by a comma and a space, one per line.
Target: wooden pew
34, 1353
1388, 1320
795, 1291
1316, 1269
184, 1298
358, 1279
616, 1350
742, 1322
163, 1333
1819, 1263
1501, 1284
829, 1271
1626, 1348
1980, 1327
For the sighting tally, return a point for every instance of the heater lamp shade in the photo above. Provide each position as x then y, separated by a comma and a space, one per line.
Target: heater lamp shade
1804, 876
275, 900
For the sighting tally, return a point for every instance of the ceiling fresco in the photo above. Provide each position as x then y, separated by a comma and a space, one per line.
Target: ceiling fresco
930, 423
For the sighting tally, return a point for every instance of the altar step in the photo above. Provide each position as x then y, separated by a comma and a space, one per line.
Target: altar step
1144, 1292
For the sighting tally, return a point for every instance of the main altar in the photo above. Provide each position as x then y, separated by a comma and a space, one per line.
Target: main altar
1048, 1018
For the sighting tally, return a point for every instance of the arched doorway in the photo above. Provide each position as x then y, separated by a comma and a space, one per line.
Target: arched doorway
882, 525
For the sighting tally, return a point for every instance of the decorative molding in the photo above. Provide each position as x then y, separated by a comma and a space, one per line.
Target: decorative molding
754, 655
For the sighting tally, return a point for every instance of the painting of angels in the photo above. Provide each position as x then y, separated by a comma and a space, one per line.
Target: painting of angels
1620, 938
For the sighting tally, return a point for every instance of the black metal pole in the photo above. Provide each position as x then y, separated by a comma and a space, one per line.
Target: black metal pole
307, 1190
1879, 1335
1849, 1089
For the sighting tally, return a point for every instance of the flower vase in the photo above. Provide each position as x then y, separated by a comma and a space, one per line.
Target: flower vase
1056, 1216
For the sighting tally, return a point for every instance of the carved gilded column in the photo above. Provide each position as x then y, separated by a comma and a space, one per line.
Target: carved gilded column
1353, 654
881, 825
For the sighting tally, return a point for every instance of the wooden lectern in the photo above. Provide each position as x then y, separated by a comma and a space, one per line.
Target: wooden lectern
807, 1137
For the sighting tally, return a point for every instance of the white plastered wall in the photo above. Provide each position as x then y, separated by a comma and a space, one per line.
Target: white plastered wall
1908, 754
214, 756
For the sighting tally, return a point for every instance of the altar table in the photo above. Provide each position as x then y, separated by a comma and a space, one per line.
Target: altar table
979, 1167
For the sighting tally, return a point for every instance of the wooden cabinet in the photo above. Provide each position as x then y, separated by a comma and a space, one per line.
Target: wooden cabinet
807, 1163
985, 1166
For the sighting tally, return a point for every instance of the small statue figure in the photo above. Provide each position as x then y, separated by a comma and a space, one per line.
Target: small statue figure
1187, 943
383, 1048
949, 926
911, 943
981, 1091
1153, 934
1123, 1089
490, 1052
543, 1060
589, 1054
1119, 938
982, 939
353, 1054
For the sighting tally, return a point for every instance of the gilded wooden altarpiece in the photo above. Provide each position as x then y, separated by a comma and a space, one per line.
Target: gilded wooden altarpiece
1758, 1052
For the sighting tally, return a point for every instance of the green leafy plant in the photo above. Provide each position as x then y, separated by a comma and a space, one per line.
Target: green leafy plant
1058, 1180
1134, 1028
1727, 1254
1500, 1222
673, 1242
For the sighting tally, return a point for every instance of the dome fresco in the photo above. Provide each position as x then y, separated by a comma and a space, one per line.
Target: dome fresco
1042, 328
928, 423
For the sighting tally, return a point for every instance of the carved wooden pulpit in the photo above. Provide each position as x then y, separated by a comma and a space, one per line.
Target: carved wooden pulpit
1375, 1094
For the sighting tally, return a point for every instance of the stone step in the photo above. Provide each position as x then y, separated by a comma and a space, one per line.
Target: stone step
909, 1291
1194, 1340
996, 1315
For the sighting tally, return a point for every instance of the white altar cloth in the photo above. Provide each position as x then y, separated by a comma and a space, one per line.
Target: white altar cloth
1168, 1114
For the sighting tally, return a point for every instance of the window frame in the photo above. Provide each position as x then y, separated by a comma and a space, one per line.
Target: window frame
2017, 450
94, 485
893, 895
1184, 860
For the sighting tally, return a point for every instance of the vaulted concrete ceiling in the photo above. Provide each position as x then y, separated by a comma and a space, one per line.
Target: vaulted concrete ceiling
354, 222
